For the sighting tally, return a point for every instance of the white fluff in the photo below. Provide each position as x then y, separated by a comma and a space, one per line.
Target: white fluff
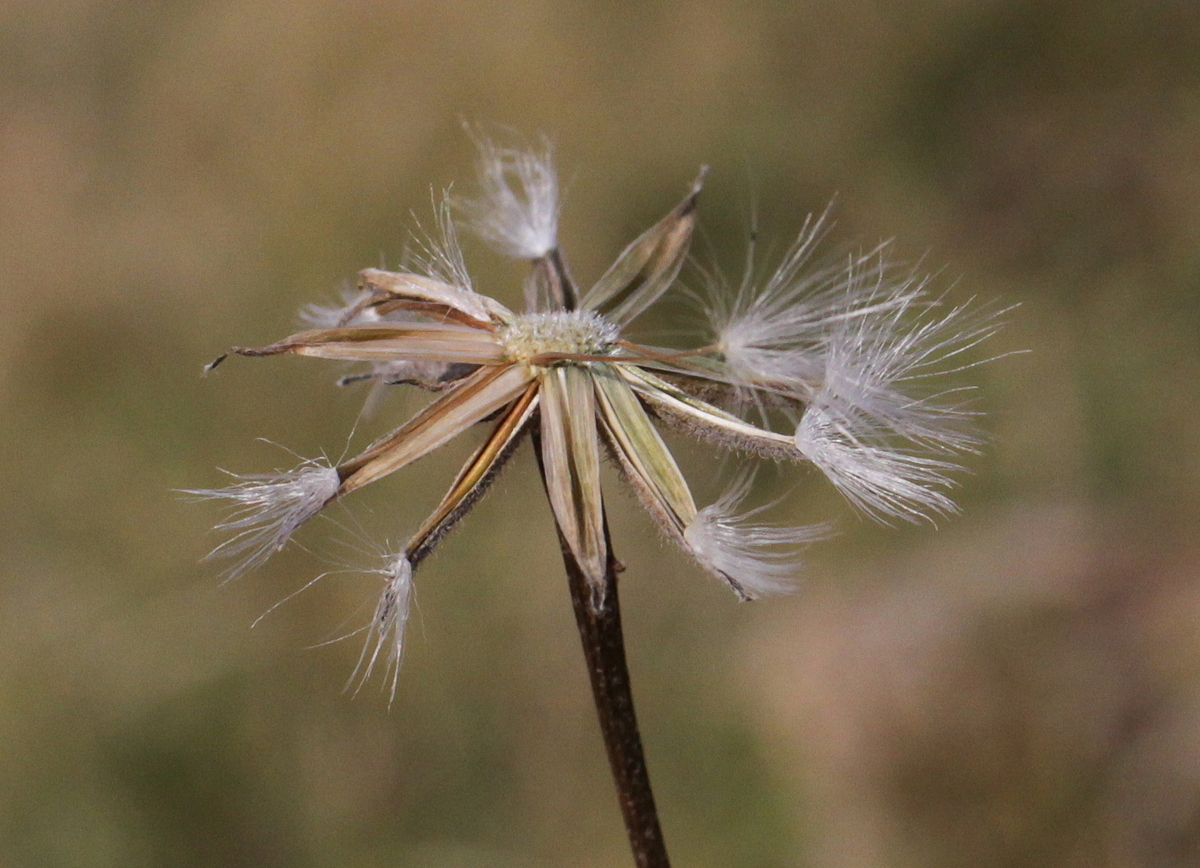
881, 481
780, 336
883, 370
862, 347
389, 621
880, 426
439, 255
516, 211
267, 510
346, 312
756, 559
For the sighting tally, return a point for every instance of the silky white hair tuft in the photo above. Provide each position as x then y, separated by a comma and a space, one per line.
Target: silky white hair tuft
387, 626
516, 209
267, 510
757, 560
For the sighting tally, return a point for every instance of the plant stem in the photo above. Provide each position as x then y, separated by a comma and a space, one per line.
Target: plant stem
604, 650
598, 616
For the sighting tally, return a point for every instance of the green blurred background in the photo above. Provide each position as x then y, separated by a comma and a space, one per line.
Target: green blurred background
1020, 687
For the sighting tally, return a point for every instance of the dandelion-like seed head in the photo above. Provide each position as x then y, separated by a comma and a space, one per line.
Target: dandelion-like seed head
838, 364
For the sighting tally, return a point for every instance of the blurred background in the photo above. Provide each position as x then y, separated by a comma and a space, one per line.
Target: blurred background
1018, 687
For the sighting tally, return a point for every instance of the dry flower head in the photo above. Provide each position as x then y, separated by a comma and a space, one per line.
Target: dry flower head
845, 356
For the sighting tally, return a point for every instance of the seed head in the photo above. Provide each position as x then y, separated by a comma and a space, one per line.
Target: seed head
833, 364
558, 332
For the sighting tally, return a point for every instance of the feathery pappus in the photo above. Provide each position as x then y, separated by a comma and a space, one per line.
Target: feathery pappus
833, 363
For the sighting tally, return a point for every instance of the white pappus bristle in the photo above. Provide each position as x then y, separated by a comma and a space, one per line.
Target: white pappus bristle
516, 211
438, 254
389, 621
779, 336
885, 368
757, 560
267, 510
880, 426
884, 482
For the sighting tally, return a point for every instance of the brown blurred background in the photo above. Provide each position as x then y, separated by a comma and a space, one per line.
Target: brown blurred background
1020, 687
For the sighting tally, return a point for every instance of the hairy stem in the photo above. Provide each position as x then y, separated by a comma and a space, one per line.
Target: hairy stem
598, 617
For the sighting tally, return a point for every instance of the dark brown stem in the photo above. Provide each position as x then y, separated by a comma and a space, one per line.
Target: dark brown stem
599, 620
604, 650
